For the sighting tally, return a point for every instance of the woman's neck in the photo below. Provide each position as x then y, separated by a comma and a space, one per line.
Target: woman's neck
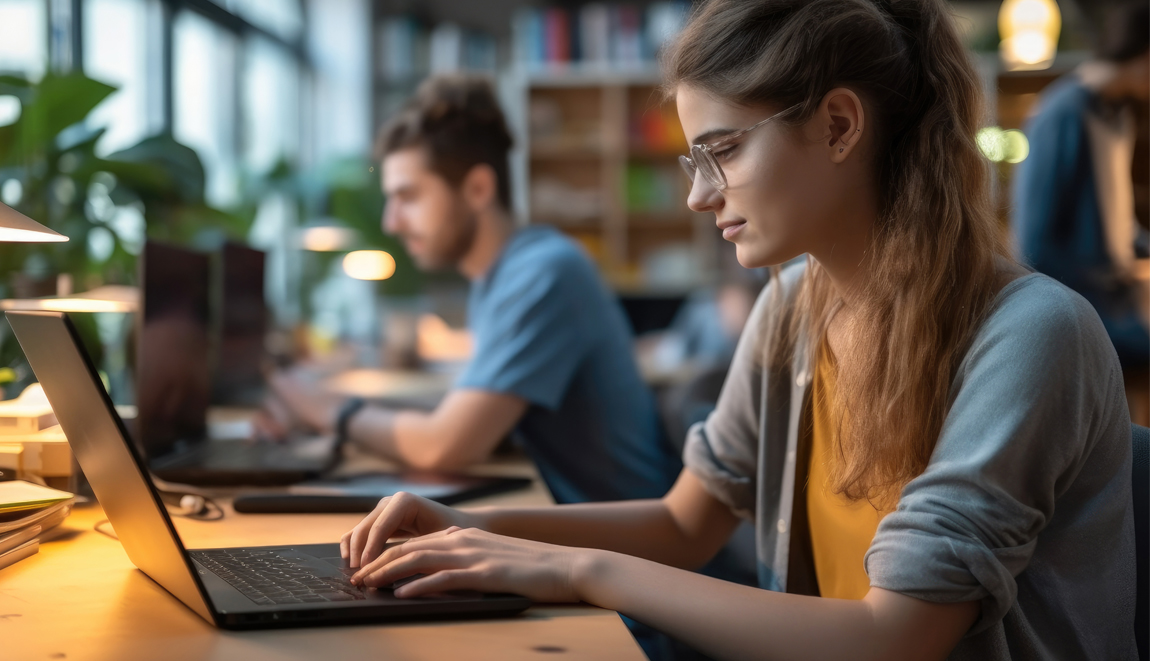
846, 255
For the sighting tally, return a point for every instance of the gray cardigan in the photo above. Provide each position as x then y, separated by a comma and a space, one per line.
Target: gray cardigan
1025, 505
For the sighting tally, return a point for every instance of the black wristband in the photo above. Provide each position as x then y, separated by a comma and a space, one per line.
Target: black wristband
343, 419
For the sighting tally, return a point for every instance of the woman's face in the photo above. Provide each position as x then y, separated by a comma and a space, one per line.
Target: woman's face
786, 188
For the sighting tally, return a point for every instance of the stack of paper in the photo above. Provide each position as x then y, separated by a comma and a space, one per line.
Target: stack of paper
26, 511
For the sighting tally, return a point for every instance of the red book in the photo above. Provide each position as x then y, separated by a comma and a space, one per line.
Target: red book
558, 36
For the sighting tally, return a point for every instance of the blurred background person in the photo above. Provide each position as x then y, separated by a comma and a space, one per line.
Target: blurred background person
553, 359
1073, 198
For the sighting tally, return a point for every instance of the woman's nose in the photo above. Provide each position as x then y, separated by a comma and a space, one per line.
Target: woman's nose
703, 197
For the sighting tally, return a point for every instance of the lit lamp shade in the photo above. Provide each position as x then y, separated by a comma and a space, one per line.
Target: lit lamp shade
108, 298
1029, 31
15, 227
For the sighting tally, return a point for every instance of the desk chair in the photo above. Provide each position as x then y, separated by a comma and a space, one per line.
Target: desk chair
1141, 489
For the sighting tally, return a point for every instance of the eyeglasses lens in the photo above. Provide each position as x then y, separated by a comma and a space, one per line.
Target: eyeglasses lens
688, 167
703, 161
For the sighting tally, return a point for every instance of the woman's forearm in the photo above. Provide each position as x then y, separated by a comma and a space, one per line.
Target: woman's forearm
731, 621
642, 528
683, 529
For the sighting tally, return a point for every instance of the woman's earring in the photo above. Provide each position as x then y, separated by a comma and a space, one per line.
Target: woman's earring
840, 150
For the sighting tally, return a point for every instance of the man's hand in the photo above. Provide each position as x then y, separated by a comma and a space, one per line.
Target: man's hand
296, 399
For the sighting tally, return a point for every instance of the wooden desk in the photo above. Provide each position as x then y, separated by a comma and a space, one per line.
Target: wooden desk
81, 598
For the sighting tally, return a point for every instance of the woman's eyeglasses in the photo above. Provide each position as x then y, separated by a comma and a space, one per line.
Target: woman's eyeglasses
702, 158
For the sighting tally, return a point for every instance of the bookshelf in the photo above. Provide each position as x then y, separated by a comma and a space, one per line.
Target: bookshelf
598, 158
596, 144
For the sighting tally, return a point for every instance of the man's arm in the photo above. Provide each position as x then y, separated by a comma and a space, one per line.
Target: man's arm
462, 430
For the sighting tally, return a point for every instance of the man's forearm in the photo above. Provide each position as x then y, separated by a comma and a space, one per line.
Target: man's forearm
413, 438
373, 429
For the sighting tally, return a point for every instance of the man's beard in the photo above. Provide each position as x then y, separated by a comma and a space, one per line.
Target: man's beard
459, 243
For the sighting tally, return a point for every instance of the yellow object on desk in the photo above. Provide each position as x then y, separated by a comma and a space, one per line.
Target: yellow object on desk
18, 495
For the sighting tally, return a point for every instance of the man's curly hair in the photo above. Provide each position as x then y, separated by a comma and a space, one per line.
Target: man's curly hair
457, 121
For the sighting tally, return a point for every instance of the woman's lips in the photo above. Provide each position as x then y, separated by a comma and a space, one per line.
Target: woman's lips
732, 228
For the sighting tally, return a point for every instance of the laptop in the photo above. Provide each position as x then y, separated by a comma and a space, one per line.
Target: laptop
174, 382
233, 588
241, 358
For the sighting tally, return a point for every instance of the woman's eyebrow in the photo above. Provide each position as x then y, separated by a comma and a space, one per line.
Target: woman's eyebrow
713, 134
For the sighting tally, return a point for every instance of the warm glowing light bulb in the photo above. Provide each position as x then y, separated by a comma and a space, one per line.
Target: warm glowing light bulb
1029, 31
369, 265
327, 238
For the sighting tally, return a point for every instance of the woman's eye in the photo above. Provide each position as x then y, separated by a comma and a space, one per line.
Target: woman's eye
725, 152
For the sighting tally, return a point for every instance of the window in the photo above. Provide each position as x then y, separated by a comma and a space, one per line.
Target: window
24, 37
122, 48
204, 101
282, 18
271, 105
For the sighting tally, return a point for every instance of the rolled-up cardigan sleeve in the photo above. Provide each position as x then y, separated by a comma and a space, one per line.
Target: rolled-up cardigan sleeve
1038, 381
722, 451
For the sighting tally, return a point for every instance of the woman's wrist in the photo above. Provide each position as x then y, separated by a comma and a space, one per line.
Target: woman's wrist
590, 569
473, 519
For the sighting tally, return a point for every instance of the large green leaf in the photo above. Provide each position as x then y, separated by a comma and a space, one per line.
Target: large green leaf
59, 102
180, 163
17, 87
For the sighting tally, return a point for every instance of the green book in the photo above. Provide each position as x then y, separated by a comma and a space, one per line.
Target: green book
17, 495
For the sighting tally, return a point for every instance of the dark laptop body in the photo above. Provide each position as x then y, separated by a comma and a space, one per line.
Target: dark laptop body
174, 381
227, 587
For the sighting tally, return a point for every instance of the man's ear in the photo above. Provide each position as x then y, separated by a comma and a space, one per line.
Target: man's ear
842, 113
480, 187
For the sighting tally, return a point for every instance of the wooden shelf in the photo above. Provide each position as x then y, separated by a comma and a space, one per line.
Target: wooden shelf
603, 107
552, 152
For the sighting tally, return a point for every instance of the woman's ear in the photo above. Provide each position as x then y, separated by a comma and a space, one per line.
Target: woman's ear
843, 114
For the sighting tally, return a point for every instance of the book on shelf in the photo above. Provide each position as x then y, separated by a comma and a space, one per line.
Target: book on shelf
595, 34
409, 50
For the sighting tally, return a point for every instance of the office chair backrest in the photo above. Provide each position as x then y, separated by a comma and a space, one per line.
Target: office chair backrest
1141, 489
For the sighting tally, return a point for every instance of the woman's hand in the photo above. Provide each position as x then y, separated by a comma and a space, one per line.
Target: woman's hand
402, 515
473, 559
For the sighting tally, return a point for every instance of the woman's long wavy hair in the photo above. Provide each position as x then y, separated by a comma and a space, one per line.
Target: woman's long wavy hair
934, 257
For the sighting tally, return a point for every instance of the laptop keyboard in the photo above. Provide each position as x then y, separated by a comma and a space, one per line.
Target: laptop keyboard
268, 578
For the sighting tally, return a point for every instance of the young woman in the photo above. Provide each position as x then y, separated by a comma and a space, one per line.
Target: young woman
928, 437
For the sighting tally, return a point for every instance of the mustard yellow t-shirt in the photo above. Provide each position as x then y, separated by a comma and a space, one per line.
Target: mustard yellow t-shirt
841, 530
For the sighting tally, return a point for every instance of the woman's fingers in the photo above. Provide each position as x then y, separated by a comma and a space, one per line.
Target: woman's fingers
427, 561
358, 535
432, 542
397, 515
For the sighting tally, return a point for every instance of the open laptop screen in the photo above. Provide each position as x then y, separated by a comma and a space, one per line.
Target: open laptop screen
238, 375
172, 374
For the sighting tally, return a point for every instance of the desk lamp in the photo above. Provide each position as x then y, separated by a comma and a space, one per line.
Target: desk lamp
15, 227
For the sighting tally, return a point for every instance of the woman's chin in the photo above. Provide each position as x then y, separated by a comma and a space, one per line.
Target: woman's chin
756, 257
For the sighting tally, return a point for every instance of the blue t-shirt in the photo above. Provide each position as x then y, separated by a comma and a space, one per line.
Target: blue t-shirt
547, 329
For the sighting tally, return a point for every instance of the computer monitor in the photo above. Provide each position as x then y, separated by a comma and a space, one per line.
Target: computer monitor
241, 355
172, 348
